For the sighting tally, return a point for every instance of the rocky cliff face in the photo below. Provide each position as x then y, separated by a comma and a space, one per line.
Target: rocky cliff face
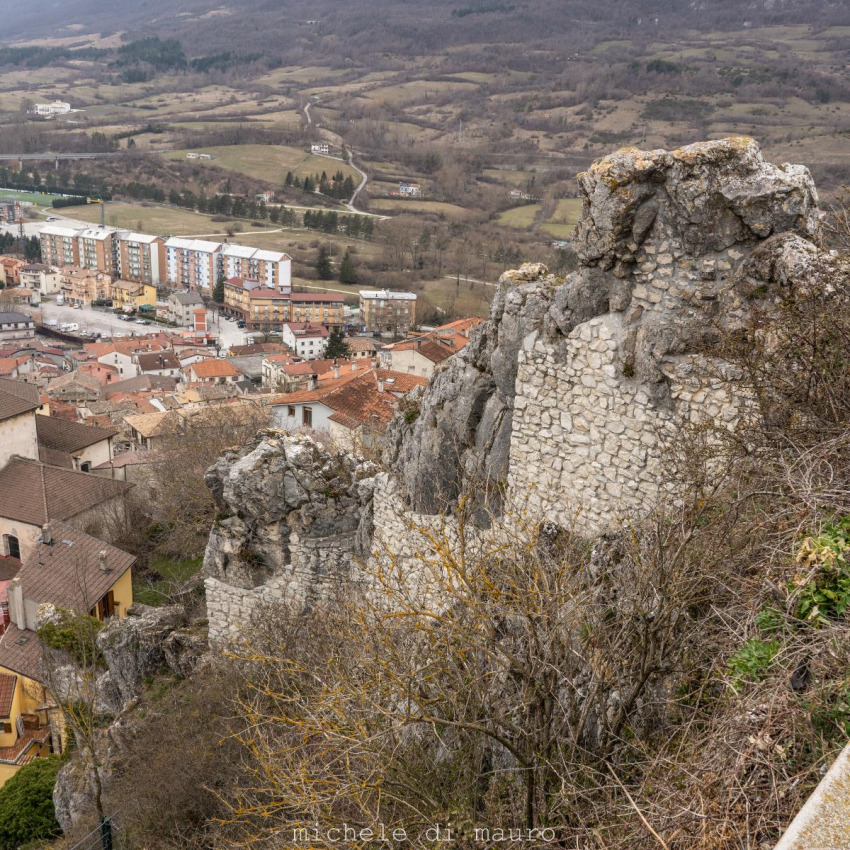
567, 392
561, 402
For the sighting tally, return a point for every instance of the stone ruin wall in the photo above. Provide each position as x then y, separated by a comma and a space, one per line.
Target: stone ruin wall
569, 395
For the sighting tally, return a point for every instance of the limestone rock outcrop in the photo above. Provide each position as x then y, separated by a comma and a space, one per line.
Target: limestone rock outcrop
562, 403
605, 362
293, 517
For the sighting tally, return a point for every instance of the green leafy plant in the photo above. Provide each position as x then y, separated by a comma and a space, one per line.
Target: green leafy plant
822, 587
26, 804
74, 633
752, 660
769, 620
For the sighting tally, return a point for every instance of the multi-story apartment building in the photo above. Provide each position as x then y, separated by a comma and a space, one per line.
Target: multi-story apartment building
60, 245
141, 258
324, 308
387, 311
263, 307
192, 263
82, 286
272, 268
97, 248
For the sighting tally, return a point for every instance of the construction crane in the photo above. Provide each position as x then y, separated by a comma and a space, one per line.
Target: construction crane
102, 209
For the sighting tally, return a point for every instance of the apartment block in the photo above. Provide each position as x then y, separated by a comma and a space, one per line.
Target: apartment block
192, 263
272, 268
323, 308
83, 286
97, 248
387, 311
141, 258
59, 245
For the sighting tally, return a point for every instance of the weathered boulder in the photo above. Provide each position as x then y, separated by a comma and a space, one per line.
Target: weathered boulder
287, 507
134, 647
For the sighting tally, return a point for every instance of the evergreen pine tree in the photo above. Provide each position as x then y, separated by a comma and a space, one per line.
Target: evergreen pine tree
218, 290
323, 265
337, 347
347, 272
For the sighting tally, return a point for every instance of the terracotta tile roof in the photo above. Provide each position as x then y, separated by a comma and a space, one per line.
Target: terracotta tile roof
20, 651
69, 571
258, 348
358, 398
8, 683
125, 459
65, 436
308, 329
316, 296
32, 492
140, 382
55, 458
9, 364
16, 398
214, 369
359, 343
150, 424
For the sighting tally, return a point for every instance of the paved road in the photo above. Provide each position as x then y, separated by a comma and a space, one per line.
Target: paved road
49, 155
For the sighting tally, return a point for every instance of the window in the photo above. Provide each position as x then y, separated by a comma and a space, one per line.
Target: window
290, 411
85, 466
307, 417
13, 547
7, 728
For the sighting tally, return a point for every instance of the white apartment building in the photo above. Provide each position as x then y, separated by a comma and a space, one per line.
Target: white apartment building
272, 268
48, 110
308, 341
192, 263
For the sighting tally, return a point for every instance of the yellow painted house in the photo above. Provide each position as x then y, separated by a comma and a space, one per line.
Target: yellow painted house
71, 570
127, 295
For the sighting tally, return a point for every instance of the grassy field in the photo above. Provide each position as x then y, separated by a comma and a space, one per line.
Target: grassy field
392, 206
519, 217
268, 162
148, 219
172, 574
27, 197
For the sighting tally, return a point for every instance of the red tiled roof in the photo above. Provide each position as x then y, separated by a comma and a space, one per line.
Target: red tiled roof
214, 369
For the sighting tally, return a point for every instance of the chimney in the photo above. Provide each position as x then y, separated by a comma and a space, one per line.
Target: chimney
46, 536
16, 603
336, 370
314, 382
102, 564
380, 385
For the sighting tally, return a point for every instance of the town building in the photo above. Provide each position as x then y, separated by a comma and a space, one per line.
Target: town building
10, 271
18, 435
11, 212
97, 248
128, 295
182, 305
71, 570
272, 268
321, 149
72, 445
353, 404
319, 308
45, 280
212, 371
421, 355
192, 263
85, 286
409, 189
387, 311
16, 326
307, 340
60, 245
141, 258
50, 110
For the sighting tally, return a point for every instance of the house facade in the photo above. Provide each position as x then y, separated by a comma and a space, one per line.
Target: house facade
16, 326
141, 258
387, 311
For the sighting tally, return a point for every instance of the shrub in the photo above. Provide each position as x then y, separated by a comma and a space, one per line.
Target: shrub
753, 659
26, 804
75, 634
823, 590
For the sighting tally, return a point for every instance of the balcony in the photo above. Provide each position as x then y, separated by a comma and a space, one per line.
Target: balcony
32, 735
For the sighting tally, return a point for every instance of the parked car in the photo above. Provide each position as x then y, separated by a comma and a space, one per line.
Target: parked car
240, 324
142, 322
52, 323
51, 218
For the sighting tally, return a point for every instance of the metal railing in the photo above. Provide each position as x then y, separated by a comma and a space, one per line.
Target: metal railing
106, 836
